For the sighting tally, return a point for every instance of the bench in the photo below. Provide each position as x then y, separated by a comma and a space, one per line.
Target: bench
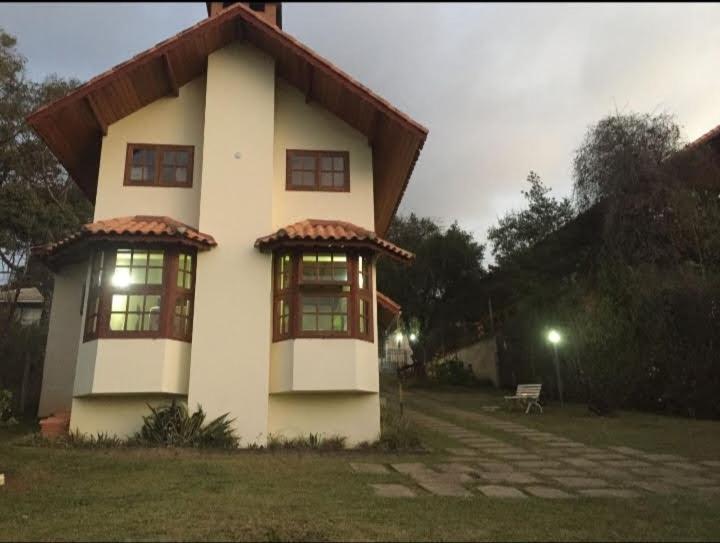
528, 395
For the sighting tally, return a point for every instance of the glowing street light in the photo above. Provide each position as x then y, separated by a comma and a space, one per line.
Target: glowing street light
554, 337
413, 338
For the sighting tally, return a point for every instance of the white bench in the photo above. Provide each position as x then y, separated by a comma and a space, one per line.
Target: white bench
529, 395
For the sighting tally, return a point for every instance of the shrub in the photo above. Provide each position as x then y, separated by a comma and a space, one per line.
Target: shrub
173, 426
454, 372
309, 442
6, 417
76, 440
397, 433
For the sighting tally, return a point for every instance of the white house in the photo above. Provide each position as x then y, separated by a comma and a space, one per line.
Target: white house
242, 185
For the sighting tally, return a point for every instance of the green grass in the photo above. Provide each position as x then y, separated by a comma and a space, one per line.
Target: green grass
67, 494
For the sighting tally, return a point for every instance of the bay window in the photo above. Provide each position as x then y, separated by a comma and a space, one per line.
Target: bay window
138, 292
322, 294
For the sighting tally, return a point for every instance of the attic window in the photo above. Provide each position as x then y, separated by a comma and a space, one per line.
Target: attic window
159, 165
318, 170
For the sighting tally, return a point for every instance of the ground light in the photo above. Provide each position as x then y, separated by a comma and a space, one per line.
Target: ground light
554, 337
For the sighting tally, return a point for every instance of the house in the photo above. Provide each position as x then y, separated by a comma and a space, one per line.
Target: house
242, 185
28, 304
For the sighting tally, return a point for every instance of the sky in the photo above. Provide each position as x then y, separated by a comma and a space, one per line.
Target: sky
503, 88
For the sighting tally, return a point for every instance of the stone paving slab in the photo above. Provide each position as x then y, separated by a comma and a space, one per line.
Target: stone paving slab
461, 451
361, 467
548, 492
625, 463
687, 466
655, 487
410, 468
392, 491
497, 491
550, 453
511, 477
580, 462
605, 456
609, 493
455, 467
610, 473
440, 488
553, 472
661, 457
503, 450
581, 482
537, 464
628, 450
495, 466
515, 457
711, 490
688, 481
711, 463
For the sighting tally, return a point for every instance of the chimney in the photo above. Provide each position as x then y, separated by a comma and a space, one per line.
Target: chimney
270, 11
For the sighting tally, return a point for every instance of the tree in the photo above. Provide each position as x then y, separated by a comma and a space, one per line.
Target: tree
39, 203
438, 292
519, 230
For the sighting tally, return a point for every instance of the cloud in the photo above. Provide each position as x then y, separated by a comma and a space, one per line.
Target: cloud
503, 88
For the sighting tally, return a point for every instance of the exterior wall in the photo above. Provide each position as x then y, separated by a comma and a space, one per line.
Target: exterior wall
355, 416
132, 366
113, 415
232, 323
299, 125
62, 342
480, 356
177, 121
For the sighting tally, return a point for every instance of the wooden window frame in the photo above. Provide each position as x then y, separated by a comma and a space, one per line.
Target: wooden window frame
168, 291
292, 295
157, 178
317, 187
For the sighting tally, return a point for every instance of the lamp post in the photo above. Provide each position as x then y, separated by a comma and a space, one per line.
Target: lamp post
555, 338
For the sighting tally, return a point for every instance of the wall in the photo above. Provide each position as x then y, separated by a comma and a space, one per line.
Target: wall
355, 416
232, 324
299, 125
482, 356
112, 415
170, 120
124, 366
63, 338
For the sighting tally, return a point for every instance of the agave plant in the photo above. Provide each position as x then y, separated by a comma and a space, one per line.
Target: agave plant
173, 426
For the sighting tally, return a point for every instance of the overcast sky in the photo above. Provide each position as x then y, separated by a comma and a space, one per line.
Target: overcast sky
503, 88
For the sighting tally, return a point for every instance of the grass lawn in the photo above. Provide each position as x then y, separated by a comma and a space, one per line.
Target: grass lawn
190, 495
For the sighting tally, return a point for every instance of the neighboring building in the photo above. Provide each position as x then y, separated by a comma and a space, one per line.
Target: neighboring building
29, 304
241, 185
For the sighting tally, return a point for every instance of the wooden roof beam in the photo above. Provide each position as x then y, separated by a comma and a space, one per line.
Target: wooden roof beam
309, 83
170, 74
102, 124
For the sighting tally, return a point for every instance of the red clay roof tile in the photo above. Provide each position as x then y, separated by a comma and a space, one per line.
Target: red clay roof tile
329, 231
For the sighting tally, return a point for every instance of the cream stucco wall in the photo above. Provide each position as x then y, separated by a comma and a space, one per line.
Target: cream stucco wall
354, 416
299, 125
113, 415
231, 330
132, 366
172, 121
63, 338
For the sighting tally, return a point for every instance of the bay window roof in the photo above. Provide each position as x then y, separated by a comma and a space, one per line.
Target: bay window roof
137, 228
330, 233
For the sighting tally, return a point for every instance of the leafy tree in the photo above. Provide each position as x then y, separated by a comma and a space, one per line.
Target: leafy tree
438, 292
519, 230
39, 203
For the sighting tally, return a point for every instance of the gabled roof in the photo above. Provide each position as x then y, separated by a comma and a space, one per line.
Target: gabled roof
148, 228
73, 126
329, 233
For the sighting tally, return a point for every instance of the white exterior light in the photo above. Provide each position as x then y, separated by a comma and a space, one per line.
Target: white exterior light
554, 337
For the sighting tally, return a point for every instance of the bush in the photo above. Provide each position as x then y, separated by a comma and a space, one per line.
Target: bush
173, 426
454, 372
76, 440
397, 433
6, 417
314, 442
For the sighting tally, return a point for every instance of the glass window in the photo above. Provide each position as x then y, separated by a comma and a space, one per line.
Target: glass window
185, 271
168, 165
324, 313
137, 267
94, 293
318, 170
324, 268
364, 317
182, 318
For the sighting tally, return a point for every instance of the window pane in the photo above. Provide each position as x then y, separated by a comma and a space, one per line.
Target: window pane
152, 303
181, 158
139, 258
296, 162
309, 323
181, 175
136, 173
119, 302
132, 324
151, 322
338, 163
138, 276
122, 257
188, 281
339, 179
325, 273
155, 259
339, 258
136, 303
309, 257
148, 173
339, 323
340, 274
323, 257
326, 163
309, 272
117, 321
326, 179
168, 174
324, 323
308, 179
154, 276
150, 157
296, 178
308, 163
138, 156
169, 157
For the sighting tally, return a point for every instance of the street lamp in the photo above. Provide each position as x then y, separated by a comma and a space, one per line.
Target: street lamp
555, 338
413, 337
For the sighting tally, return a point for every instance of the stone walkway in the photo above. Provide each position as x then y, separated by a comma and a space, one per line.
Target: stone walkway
546, 466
